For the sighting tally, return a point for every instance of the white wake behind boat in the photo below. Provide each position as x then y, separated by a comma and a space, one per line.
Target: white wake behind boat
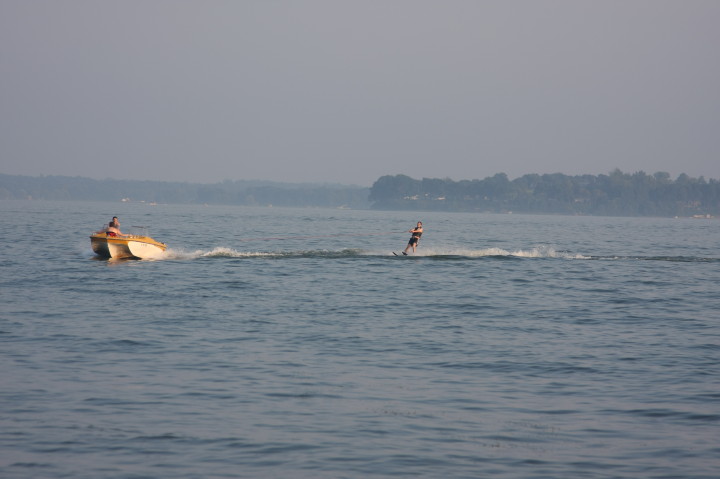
135, 246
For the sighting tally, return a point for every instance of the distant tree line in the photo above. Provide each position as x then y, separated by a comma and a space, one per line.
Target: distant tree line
615, 194
249, 193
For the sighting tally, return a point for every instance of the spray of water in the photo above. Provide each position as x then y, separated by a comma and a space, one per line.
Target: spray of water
227, 252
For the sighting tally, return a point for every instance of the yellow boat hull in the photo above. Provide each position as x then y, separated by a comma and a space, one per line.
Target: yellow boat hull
126, 246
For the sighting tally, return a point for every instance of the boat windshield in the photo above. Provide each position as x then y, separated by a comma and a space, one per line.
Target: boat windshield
138, 230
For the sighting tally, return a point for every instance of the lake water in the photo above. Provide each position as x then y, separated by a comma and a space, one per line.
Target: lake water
275, 343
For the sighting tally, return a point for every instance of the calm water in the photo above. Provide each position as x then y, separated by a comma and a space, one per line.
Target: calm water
291, 343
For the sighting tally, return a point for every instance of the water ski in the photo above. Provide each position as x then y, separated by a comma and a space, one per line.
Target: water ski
403, 253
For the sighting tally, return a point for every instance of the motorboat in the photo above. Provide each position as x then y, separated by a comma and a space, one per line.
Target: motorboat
107, 244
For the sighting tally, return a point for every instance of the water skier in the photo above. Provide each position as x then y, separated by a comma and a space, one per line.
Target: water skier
415, 238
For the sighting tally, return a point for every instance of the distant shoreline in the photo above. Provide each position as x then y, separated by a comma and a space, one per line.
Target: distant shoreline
616, 194
246, 193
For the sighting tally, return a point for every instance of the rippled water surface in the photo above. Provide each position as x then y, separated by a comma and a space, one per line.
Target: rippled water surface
292, 343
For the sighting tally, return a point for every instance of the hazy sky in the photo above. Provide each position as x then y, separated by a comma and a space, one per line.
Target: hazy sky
348, 91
